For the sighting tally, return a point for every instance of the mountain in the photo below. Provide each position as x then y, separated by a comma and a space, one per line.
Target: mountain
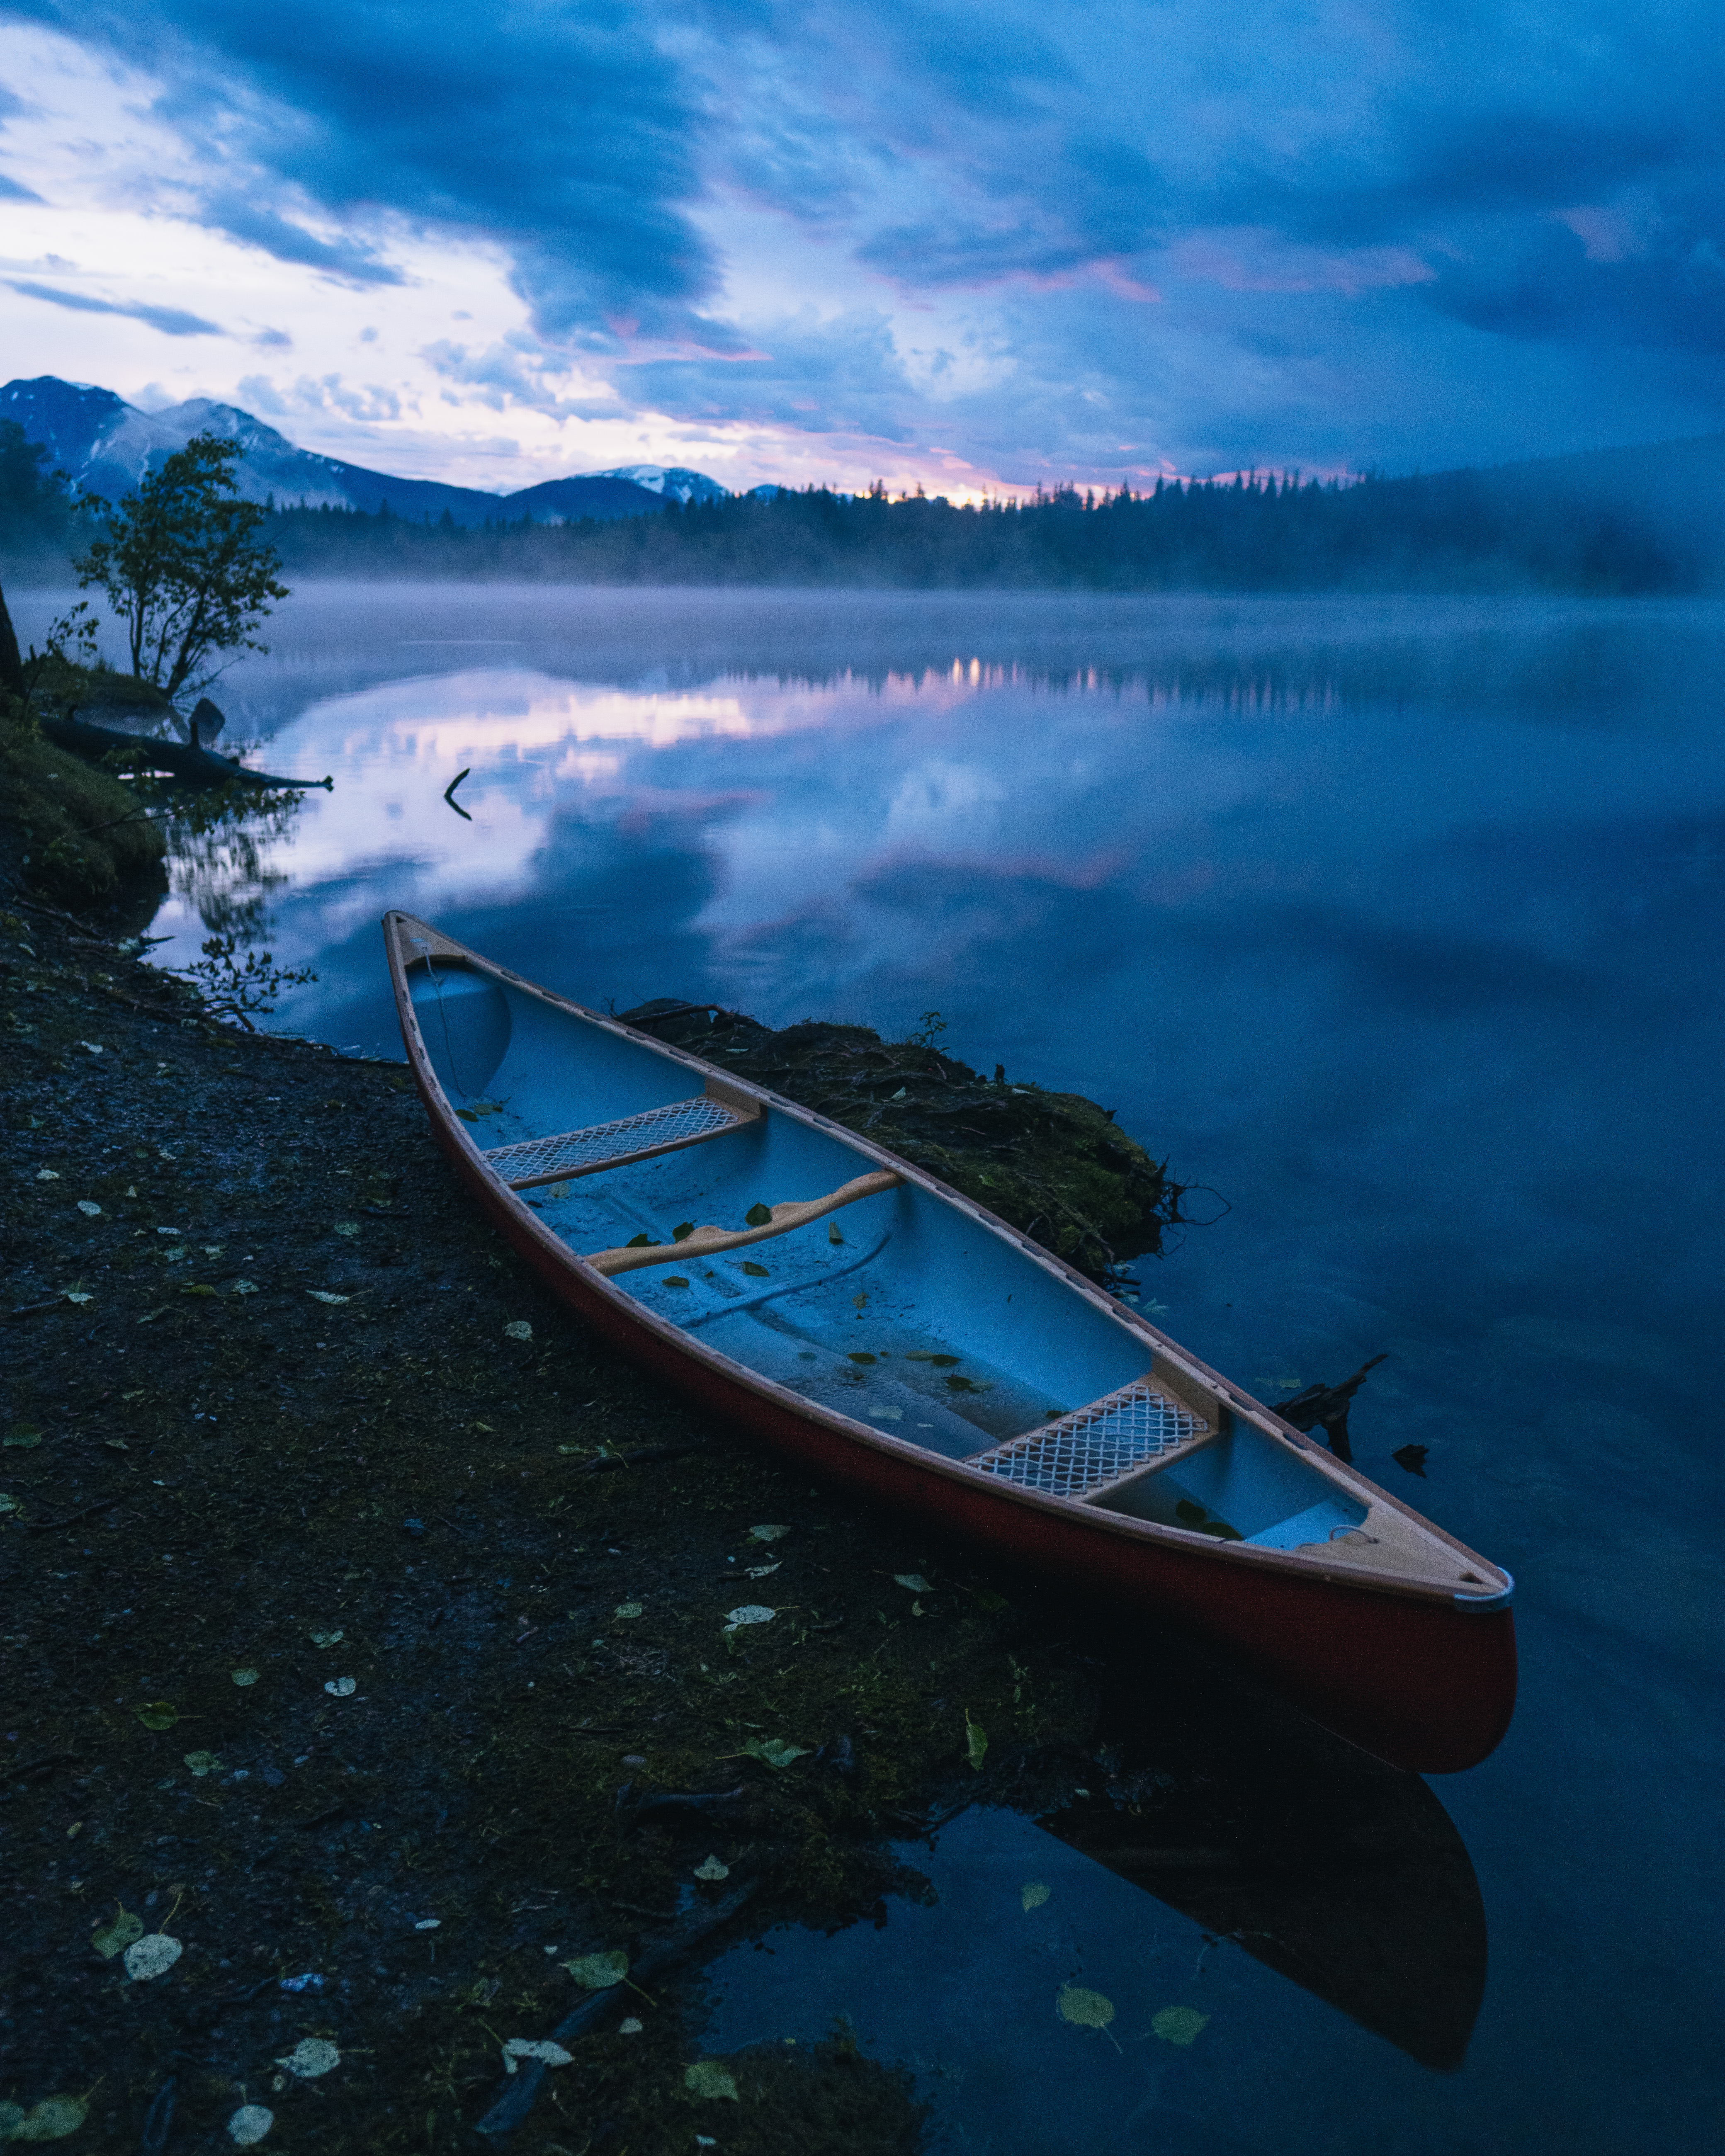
106, 446
673, 483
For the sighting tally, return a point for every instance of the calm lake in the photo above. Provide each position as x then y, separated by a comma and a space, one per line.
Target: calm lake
1398, 924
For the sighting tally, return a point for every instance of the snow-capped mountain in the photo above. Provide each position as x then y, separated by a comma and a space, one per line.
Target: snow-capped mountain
106, 446
673, 482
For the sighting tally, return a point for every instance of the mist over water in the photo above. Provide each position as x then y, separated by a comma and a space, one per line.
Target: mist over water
1397, 923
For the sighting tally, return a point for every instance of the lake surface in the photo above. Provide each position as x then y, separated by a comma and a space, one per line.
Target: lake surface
1397, 923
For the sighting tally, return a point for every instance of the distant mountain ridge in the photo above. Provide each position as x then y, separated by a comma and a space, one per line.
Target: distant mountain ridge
107, 445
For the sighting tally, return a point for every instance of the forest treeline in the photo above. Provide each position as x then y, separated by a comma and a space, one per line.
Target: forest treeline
1616, 522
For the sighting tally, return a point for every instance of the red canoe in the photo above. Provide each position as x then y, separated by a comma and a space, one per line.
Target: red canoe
892, 1335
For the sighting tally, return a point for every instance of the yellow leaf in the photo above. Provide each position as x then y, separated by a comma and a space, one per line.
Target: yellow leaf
1086, 2009
1179, 2025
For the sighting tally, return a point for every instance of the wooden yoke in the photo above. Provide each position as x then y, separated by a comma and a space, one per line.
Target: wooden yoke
709, 1242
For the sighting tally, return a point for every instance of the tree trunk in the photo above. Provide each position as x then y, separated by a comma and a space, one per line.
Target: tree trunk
11, 666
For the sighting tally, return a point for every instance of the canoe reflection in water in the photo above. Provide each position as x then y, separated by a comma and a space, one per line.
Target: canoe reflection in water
1342, 1875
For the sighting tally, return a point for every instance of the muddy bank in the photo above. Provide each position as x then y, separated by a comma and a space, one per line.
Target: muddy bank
271, 1409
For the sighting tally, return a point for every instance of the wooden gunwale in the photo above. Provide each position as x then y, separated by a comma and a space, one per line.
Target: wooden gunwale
1254, 1583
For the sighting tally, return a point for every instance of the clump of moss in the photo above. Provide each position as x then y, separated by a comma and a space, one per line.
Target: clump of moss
72, 831
1054, 1165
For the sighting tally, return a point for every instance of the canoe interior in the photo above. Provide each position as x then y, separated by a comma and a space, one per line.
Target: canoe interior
900, 1310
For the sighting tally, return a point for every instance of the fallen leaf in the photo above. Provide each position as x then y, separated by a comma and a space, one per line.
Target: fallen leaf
323, 1295
712, 1869
156, 1714
898, 1095
832, 1235
756, 1273
189, 1289
151, 1957
767, 1534
683, 1230
976, 1742
915, 1581
250, 2124
245, 1676
707, 2077
1036, 1895
749, 1613
48, 1175
598, 1972
94, 1047
79, 1296
1179, 2025
51, 2120
347, 1227
534, 2047
759, 1216
639, 1243
342, 1687
326, 1639
631, 2027
429, 1924
626, 1609
1413, 1457
857, 1356
675, 1279
518, 1329
203, 1763
116, 1938
762, 1571
9, 1503
773, 1750
25, 1435
91, 1212
245, 1287
311, 2057
1086, 2009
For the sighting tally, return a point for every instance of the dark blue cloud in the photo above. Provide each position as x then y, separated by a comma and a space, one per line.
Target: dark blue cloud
172, 321
565, 137
1381, 230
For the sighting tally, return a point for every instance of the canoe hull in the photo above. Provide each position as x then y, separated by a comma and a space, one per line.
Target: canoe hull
1420, 1683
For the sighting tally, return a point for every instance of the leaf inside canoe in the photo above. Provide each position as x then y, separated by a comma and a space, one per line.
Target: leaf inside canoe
760, 1272
857, 1356
682, 1231
967, 1384
944, 1361
759, 1216
1087, 2010
1200, 1522
639, 1243
1179, 2025
676, 1279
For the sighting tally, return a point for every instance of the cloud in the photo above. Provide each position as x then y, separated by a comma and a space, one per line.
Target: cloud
1371, 230
172, 321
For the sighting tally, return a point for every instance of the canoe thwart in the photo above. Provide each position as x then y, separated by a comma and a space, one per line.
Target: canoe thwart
1123, 1433
709, 1242
572, 1153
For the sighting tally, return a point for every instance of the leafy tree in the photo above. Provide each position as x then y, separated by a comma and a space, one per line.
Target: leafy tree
183, 566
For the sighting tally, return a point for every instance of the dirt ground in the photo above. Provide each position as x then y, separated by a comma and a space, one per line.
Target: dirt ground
356, 1635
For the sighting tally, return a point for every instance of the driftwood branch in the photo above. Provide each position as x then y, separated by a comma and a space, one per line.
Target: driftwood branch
1326, 1407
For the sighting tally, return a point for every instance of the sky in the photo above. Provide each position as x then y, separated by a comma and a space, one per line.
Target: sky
975, 247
